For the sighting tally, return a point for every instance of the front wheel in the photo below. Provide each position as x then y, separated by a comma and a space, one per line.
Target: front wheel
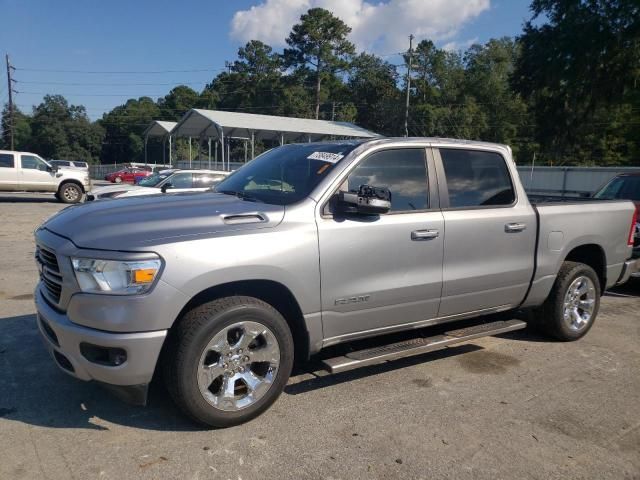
69, 193
572, 306
118, 180
228, 360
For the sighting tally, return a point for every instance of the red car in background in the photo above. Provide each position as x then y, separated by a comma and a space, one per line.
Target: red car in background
128, 175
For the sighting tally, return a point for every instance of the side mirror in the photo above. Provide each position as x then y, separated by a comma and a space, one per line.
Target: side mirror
367, 201
166, 187
52, 168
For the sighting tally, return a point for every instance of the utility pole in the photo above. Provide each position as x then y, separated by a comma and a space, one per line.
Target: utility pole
406, 110
10, 90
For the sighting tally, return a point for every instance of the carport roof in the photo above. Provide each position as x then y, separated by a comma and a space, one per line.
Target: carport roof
159, 128
214, 123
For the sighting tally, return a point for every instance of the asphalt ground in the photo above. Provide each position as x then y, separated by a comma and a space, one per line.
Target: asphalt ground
515, 406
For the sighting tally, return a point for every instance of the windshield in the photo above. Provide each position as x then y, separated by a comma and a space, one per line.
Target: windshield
152, 180
287, 174
624, 188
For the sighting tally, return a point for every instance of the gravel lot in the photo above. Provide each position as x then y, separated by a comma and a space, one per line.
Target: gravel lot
517, 406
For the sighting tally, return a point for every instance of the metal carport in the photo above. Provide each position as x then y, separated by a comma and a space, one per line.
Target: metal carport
220, 125
159, 129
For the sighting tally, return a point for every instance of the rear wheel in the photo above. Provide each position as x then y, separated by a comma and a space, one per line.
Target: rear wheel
572, 306
69, 193
228, 360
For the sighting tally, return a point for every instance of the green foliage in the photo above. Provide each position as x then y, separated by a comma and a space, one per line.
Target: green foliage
580, 71
319, 41
22, 130
56, 130
124, 126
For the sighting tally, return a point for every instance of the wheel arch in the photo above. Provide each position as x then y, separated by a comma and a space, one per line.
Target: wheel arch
71, 180
593, 255
274, 293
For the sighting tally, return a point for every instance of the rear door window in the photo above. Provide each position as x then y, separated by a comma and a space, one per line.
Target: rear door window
6, 160
476, 178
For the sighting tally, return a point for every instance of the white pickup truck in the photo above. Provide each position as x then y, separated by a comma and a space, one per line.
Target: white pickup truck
28, 172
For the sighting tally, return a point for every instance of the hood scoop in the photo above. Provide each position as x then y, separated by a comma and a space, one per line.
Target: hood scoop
244, 218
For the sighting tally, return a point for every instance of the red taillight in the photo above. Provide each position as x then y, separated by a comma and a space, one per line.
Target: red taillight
632, 232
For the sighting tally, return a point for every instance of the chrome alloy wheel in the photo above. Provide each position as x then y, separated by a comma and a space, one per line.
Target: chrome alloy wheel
70, 193
579, 302
238, 366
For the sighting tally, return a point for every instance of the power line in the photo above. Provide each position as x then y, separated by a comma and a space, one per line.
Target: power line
121, 72
80, 84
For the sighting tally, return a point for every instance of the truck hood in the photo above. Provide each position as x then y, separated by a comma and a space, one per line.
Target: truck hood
139, 222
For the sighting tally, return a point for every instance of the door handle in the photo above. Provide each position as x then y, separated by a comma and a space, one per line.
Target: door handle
515, 227
418, 235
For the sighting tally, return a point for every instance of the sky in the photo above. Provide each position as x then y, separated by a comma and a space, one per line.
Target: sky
100, 53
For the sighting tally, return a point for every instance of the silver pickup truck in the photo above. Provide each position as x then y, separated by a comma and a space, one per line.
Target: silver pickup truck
308, 246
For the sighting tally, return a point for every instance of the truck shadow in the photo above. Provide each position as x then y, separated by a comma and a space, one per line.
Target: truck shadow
628, 289
34, 391
322, 379
44, 198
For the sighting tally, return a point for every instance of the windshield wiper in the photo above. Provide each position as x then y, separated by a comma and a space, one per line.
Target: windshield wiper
242, 195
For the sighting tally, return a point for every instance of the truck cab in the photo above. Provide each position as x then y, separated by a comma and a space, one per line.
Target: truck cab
28, 172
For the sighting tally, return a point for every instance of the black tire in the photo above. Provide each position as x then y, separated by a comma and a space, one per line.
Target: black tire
69, 193
188, 340
550, 318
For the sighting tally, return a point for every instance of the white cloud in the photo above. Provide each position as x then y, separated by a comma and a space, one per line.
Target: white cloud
462, 45
380, 27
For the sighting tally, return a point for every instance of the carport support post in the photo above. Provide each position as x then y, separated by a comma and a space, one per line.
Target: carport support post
245, 151
253, 145
146, 137
170, 151
281, 139
222, 147
215, 156
164, 150
189, 152
209, 143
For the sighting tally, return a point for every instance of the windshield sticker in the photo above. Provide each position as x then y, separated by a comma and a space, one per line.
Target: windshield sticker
326, 156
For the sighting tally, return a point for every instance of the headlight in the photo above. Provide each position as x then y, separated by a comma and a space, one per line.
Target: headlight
115, 277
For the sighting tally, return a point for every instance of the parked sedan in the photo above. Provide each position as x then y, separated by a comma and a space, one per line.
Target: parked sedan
127, 175
166, 181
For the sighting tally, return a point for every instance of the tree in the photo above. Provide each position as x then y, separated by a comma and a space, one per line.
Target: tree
179, 101
319, 41
580, 60
253, 83
489, 68
21, 129
60, 130
124, 126
373, 89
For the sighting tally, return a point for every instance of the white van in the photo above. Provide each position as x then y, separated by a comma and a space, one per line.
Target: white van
28, 172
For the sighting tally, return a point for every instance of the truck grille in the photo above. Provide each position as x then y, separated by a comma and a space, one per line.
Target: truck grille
49, 273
